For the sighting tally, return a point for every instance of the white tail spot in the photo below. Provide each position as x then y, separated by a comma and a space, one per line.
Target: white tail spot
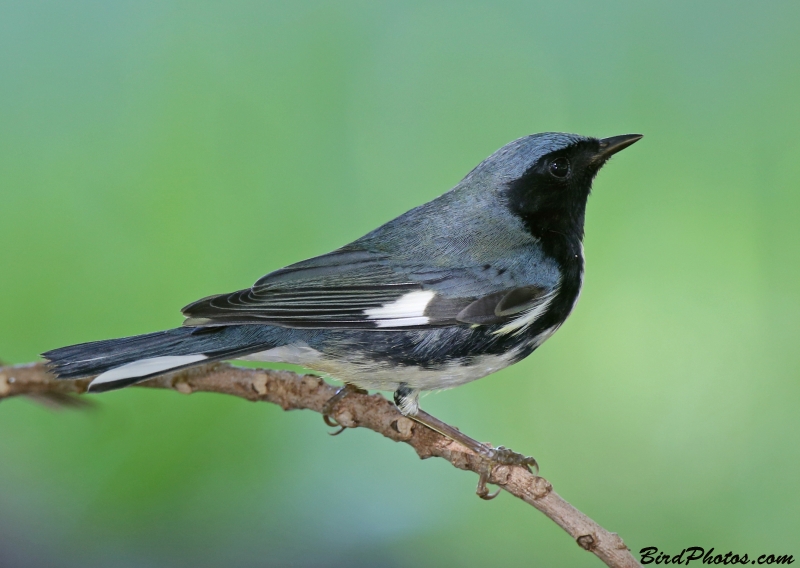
144, 367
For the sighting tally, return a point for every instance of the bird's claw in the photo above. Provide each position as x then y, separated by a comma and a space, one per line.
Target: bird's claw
339, 431
482, 491
503, 456
330, 406
330, 421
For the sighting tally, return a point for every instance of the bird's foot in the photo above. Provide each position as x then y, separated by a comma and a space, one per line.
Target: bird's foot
482, 491
503, 456
330, 406
495, 456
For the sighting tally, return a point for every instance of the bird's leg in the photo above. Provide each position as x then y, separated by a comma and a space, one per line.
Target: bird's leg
330, 406
500, 455
406, 400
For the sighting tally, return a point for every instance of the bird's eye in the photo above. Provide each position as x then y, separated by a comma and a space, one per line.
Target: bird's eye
559, 167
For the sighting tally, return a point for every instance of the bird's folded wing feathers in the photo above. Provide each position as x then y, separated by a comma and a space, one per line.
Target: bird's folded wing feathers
355, 289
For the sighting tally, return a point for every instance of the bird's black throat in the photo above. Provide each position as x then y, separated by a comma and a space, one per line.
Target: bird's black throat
553, 208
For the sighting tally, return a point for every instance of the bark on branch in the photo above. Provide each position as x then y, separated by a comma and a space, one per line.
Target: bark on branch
292, 391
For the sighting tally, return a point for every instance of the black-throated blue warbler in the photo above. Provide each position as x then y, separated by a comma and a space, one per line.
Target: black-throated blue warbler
444, 294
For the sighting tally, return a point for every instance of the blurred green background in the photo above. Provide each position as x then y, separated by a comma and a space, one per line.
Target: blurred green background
152, 153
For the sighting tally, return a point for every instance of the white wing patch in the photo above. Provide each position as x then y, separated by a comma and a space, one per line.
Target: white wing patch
144, 367
518, 325
408, 309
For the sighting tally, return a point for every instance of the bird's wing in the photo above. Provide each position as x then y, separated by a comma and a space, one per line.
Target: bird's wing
357, 289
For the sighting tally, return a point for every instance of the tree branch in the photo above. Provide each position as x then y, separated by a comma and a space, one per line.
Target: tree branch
292, 391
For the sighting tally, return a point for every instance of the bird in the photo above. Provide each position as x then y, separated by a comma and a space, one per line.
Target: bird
449, 292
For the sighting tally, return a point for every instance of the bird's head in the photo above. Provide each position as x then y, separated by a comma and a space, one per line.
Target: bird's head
545, 179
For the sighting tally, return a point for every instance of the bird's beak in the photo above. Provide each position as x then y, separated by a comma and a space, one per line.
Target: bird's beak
612, 145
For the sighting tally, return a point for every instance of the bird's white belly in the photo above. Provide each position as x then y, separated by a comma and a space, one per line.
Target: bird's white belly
369, 374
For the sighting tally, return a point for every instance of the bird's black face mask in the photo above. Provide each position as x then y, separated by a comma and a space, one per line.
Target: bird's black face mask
550, 197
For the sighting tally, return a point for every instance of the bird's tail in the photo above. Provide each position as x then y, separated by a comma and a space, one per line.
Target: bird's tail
128, 360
